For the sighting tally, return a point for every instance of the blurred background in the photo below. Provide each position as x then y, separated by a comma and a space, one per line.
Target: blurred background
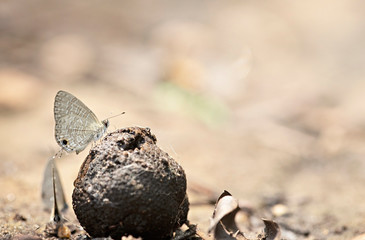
260, 98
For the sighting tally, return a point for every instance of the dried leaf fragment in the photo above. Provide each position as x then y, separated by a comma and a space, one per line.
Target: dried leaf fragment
223, 222
272, 230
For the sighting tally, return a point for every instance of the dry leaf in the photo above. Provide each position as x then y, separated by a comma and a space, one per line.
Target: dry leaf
223, 222
272, 230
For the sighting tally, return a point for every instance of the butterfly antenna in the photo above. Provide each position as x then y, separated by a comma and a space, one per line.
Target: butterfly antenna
115, 115
56, 213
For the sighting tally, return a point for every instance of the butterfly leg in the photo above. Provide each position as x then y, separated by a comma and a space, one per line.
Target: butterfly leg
58, 154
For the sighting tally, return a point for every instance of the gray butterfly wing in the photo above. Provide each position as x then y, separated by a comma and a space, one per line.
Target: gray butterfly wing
76, 124
47, 187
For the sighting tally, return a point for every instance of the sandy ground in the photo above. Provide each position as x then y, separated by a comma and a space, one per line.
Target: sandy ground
259, 98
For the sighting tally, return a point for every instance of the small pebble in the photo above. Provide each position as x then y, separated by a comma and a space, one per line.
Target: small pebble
63, 232
279, 210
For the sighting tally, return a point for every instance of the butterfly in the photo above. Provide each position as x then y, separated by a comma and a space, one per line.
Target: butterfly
52, 190
52, 194
76, 125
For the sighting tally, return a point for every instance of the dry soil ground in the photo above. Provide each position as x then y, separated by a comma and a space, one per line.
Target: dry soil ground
260, 98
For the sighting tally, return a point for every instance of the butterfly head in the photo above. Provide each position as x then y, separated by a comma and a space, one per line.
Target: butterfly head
102, 130
105, 123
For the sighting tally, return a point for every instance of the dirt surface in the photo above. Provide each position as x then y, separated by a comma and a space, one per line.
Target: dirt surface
259, 98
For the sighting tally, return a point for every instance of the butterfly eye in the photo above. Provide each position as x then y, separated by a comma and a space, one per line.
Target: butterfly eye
64, 142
